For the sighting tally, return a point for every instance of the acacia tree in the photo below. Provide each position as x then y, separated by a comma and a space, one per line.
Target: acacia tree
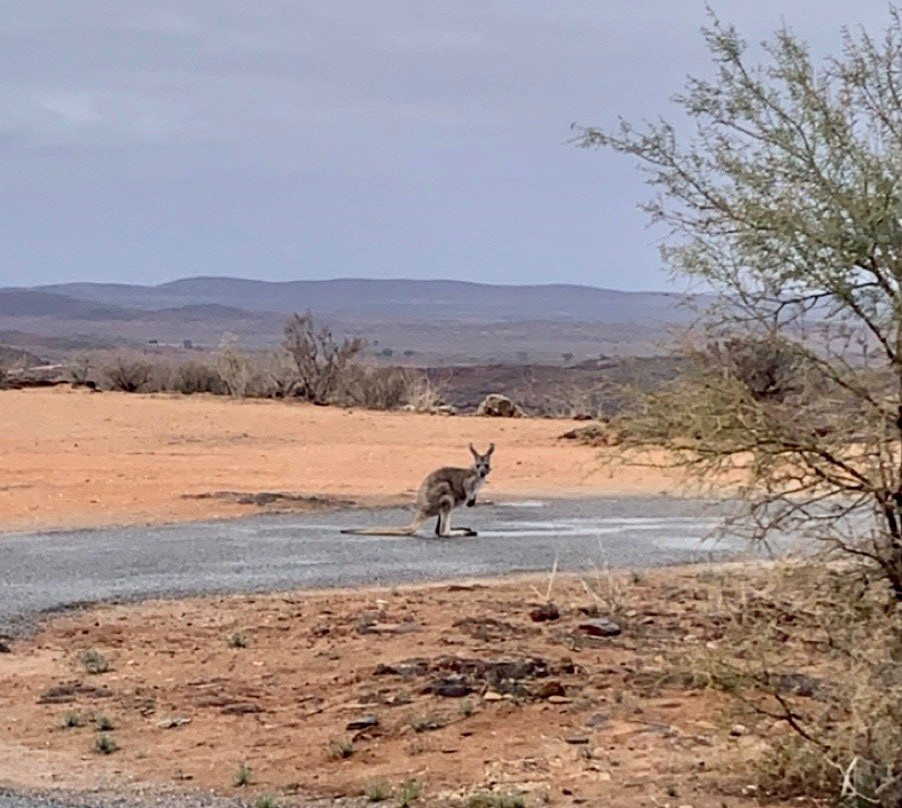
785, 199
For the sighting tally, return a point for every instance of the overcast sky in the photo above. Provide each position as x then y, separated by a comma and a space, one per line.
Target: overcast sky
146, 141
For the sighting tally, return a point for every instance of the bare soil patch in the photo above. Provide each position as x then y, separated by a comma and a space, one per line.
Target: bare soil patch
462, 689
72, 458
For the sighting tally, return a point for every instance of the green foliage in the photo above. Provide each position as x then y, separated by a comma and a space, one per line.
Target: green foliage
786, 201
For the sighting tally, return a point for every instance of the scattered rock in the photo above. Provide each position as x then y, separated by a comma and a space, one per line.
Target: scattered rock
499, 406
799, 683
5, 647
241, 708
491, 695
547, 611
364, 722
70, 691
559, 700
173, 721
411, 667
577, 740
600, 627
738, 730
594, 435
548, 689
597, 720
453, 688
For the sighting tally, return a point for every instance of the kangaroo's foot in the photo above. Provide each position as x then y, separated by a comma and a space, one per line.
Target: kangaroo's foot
460, 531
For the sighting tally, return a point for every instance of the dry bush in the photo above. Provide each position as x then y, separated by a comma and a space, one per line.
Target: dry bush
320, 360
127, 372
197, 377
80, 368
233, 366
814, 652
384, 388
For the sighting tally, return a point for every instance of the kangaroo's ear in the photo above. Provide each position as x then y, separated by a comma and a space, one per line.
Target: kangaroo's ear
491, 449
473, 451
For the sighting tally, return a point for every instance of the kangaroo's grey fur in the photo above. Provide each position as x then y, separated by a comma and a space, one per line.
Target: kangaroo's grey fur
442, 491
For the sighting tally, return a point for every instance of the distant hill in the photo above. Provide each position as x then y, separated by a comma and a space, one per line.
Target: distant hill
407, 299
418, 322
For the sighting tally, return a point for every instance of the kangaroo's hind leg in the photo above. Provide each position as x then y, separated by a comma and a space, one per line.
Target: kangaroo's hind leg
443, 527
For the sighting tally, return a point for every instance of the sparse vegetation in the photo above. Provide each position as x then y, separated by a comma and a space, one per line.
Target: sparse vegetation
341, 748
104, 744
244, 775
378, 791
72, 720
237, 639
103, 723
93, 661
409, 792
265, 801
129, 374
233, 367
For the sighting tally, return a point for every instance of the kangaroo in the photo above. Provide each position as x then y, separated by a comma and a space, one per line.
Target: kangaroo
442, 491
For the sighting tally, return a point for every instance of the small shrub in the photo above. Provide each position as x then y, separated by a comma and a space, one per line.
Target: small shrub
244, 775
72, 719
233, 366
341, 749
378, 791
94, 662
105, 744
237, 640
127, 374
196, 377
103, 723
265, 801
409, 792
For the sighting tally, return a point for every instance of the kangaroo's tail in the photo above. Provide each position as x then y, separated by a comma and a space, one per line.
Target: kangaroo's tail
410, 530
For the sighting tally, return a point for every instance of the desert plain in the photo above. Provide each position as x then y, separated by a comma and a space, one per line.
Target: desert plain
471, 692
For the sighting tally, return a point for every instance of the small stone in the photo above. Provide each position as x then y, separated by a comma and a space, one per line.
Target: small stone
5, 647
738, 729
577, 740
547, 611
600, 627
364, 722
173, 721
548, 689
452, 688
559, 700
491, 695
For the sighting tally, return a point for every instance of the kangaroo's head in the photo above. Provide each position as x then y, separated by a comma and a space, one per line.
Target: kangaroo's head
481, 461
